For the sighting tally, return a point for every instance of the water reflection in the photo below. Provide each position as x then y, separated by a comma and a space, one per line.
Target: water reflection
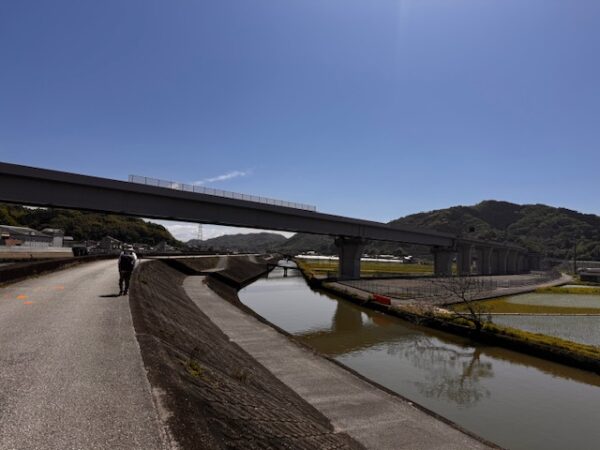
450, 373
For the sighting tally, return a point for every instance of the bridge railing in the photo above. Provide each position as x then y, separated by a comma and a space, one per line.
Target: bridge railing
217, 192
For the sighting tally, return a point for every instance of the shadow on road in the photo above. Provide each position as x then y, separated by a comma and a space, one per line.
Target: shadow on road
110, 295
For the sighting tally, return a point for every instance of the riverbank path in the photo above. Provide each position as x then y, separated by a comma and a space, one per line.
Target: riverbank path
71, 373
375, 418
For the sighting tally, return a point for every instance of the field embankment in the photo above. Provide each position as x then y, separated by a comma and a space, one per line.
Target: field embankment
217, 395
368, 269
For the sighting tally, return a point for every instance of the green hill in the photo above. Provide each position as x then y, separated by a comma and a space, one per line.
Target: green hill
253, 242
87, 225
545, 229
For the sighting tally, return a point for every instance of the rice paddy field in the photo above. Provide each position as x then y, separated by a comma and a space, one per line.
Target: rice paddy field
329, 267
580, 329
556, 312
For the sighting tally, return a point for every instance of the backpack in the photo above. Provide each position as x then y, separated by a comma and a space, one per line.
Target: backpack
126, 263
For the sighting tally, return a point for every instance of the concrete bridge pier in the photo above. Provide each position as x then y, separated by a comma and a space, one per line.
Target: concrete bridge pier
520, 263
464, 259
502, 257
511, 262
484, 263
349, 249
442, 261
534, 261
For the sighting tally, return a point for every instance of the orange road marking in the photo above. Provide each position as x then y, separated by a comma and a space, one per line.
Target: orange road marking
59, 288
21, 297
28, 303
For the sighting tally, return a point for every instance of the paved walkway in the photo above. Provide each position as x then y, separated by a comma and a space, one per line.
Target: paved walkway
370, 415
71, 373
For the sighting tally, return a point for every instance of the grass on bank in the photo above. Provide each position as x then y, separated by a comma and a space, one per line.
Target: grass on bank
501, 305
588, 351
367, 268
551, 343
589, 290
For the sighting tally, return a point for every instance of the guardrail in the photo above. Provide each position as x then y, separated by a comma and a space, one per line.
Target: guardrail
217, 192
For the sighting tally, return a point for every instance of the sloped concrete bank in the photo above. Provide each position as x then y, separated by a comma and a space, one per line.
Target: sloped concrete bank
215, 394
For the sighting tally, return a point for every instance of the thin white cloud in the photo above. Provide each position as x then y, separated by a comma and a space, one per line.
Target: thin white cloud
224, 177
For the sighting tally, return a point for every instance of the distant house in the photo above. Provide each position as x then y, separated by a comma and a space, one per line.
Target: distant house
57, 236
141, 248
163, 247
23, 236
589, 274
109, 244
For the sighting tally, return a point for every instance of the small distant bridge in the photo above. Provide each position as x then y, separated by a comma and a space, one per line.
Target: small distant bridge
285, 267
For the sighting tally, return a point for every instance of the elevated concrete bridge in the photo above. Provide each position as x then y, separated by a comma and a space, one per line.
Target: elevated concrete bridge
42, 187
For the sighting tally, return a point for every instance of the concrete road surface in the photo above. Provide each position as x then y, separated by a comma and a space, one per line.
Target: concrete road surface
71, 374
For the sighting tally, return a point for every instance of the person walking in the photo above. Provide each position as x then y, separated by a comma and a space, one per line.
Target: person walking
127, 260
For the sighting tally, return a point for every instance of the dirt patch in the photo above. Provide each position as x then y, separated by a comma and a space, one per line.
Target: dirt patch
218, 396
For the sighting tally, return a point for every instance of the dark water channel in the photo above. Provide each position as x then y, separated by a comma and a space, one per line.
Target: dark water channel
514, 400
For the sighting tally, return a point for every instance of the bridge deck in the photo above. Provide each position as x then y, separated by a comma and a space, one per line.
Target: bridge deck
42, 187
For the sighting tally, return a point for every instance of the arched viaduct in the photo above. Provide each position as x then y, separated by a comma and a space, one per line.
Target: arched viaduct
42, 187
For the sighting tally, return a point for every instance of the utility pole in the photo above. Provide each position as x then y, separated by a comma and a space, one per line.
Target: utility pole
575, 259
200, 235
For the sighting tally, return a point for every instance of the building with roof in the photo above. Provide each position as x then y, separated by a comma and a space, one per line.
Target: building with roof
23, 236
589, 274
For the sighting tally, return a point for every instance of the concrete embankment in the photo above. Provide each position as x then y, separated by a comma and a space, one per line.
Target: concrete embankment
231, 380
216, 394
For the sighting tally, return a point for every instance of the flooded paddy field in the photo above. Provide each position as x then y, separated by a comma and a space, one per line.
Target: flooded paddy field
581, 329
574, 317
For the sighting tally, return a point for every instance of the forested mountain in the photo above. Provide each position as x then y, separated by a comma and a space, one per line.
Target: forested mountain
253, 242
302, 242
87, 225
545, 229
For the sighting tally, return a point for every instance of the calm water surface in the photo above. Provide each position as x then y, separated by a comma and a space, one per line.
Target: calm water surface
514, 400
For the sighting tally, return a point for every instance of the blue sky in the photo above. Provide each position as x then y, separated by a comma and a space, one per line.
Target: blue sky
365, 109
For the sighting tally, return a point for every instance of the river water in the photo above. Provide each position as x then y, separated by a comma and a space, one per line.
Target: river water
514, 400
